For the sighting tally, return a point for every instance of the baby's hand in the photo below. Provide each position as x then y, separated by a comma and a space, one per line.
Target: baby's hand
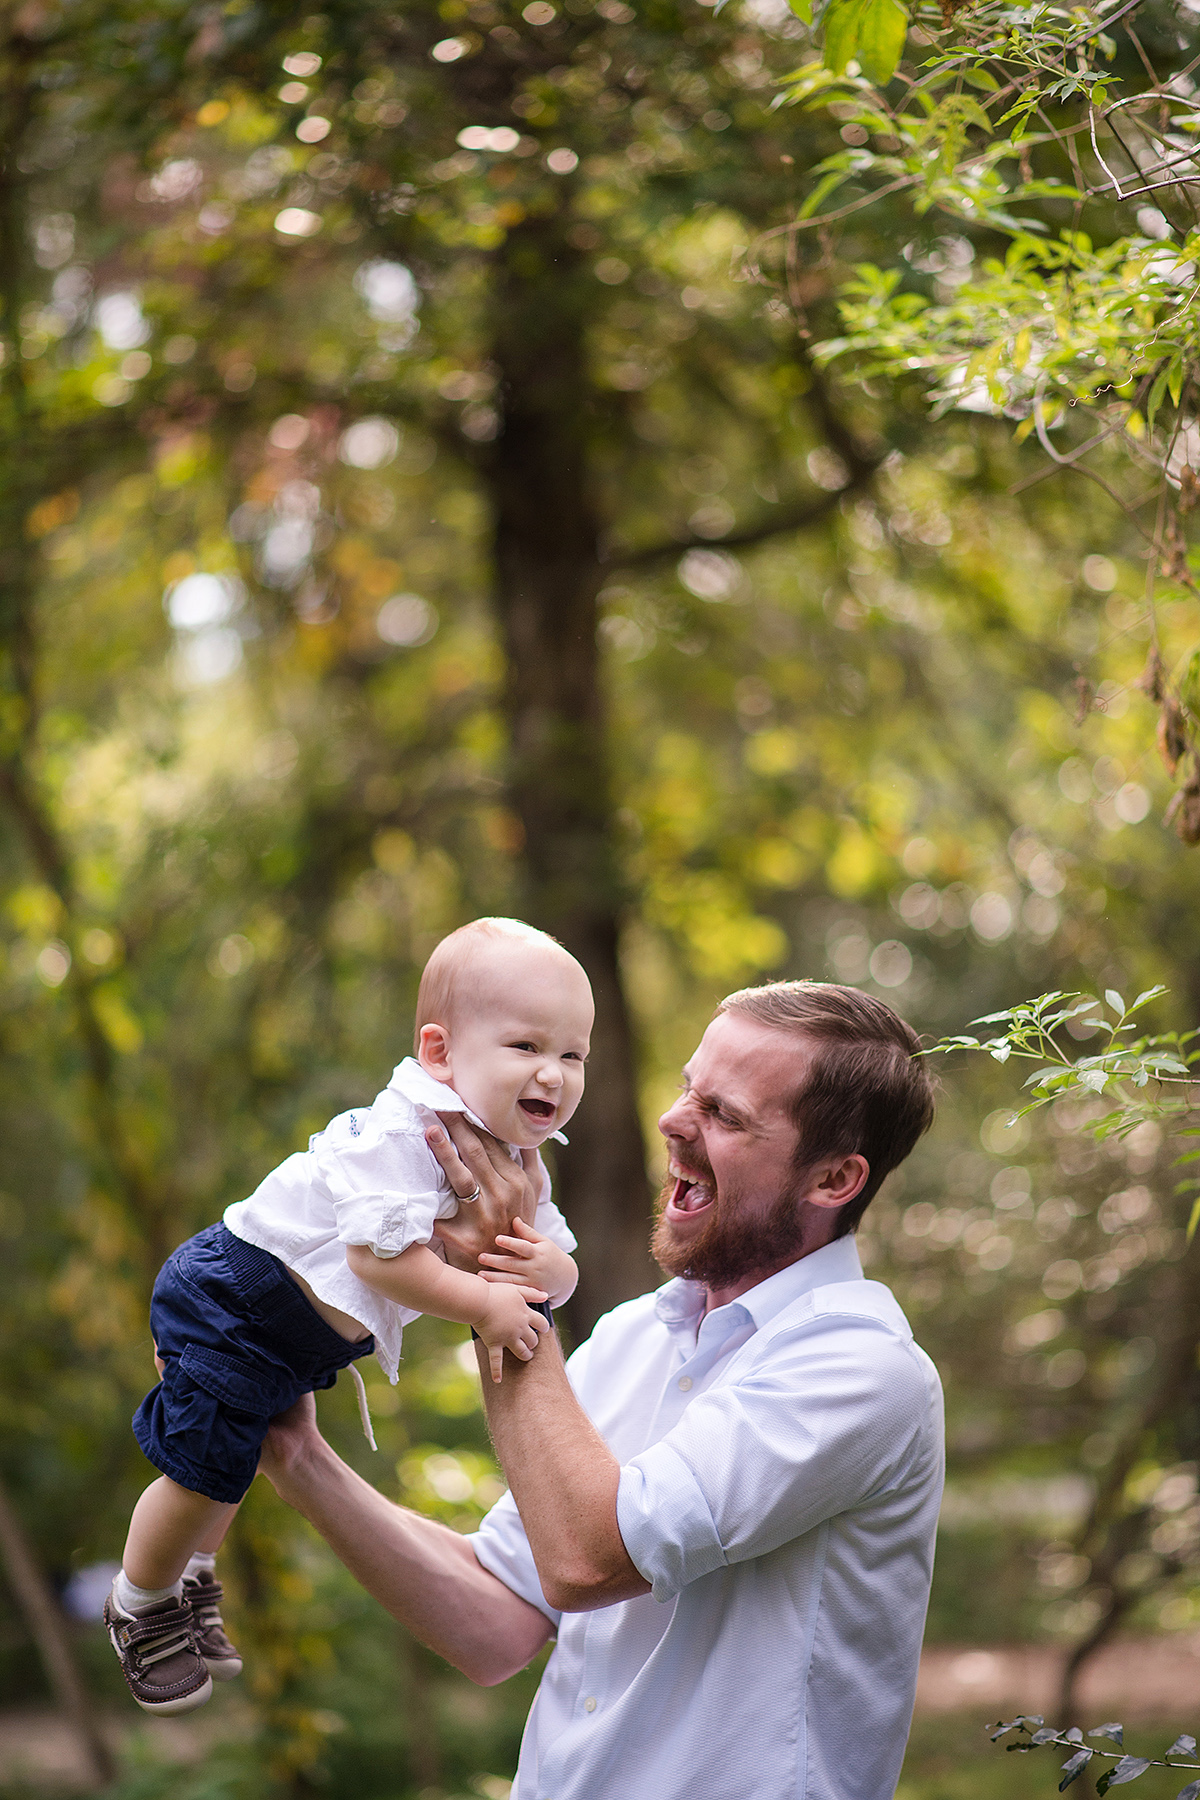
507, 1323
529, 1257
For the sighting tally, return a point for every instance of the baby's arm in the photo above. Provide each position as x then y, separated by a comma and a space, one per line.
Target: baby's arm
529, 1257
421, 1280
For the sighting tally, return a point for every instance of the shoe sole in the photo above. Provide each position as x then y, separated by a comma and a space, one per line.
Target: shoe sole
225, 1669
184, 1703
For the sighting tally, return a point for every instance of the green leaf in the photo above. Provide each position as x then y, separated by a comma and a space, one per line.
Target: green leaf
1194, 1220
1156, 394
842, 22
1114, 1000
881, 34
802, 9
1113, 1731
1184, 1745
1175, 379
1190, 1792
823, 189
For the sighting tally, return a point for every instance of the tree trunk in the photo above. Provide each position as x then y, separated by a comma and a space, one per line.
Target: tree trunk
48, 1629
547, 575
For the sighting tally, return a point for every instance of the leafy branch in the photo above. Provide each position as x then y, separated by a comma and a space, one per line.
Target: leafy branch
1123, 1071
1122, 1064
1028, 130
1125, 1768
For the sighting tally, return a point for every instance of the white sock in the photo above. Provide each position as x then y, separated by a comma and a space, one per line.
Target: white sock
132, 1599
203, 1563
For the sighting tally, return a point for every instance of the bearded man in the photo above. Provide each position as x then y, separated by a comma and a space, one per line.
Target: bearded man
723, 1507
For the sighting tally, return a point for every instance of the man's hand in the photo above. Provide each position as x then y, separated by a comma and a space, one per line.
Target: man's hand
293, 1436
508, 1323
507, 1190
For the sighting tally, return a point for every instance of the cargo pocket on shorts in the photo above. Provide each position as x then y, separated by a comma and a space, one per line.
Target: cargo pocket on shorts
218, 1413
233, 1382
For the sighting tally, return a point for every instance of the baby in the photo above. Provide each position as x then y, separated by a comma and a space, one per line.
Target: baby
327, 1261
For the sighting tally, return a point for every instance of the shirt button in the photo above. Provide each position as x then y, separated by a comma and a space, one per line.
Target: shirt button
685, 1382
589, 1704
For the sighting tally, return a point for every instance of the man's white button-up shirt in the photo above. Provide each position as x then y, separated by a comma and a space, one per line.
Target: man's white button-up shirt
781, 1475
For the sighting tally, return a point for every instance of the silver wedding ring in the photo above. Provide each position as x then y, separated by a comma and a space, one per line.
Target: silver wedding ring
465, 1199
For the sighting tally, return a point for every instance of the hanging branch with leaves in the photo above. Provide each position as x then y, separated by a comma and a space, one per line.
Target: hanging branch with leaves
1064, 155
1037, 1735
1146, 1077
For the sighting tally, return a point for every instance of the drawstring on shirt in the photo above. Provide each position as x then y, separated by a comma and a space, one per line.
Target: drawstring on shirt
364, 1411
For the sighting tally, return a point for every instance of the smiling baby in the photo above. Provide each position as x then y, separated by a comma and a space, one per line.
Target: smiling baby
327, 1261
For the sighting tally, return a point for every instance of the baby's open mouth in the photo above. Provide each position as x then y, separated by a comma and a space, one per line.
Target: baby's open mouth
541, 1110
689, 1195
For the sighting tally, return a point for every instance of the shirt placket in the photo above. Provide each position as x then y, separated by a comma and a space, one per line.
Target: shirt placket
693, 1362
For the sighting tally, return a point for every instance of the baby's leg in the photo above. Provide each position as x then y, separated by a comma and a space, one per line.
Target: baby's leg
169, 1523
204, 1594
151, 1614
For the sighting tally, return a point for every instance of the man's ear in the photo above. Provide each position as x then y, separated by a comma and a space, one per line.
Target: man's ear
433, 1051
836, 1181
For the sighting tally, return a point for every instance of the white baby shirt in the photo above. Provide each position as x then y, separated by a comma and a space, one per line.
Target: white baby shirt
369, 1178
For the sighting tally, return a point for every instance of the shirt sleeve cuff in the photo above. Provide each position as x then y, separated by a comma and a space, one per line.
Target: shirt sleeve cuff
658, 1488
376, 1220
511, 1571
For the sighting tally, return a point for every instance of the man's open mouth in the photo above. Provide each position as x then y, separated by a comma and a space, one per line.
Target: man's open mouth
689, 1195
539, 1110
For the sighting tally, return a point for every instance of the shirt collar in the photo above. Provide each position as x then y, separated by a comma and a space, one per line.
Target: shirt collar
414, 1083
682, 1302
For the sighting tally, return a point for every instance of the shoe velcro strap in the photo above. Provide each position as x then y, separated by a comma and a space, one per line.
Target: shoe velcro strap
146, 1638
206, 1597
161, 1651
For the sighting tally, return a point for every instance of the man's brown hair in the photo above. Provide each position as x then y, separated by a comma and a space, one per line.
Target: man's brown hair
867, 1090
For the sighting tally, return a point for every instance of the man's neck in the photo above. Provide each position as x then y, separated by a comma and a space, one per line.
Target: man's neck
721, 1296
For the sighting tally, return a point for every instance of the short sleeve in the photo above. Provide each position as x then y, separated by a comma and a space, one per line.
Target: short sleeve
384, 1188
550, 1222
547, 1219
833, 1420
501, 1547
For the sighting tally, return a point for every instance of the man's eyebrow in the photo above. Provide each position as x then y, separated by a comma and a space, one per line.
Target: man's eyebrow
728, 1107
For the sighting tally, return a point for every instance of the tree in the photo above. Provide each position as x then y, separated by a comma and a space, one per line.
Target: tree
1079, 314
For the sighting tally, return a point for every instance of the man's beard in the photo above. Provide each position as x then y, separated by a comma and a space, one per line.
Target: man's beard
730, 1247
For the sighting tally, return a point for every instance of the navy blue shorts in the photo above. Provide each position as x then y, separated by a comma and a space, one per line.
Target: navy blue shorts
240, 1342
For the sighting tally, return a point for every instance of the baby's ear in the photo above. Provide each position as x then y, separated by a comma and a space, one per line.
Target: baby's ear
433, 1051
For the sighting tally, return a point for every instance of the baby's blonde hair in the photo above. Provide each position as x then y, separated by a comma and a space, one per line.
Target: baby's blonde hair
442, 979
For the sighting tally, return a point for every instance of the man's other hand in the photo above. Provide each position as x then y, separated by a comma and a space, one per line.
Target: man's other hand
292, 1437
507, 1190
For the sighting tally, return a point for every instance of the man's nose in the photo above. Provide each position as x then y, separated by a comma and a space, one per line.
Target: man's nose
674, 1122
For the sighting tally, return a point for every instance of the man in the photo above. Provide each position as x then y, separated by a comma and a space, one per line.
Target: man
725, 1510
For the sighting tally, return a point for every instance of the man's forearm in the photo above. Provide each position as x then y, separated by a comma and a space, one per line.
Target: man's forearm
426, 1575
564, 1480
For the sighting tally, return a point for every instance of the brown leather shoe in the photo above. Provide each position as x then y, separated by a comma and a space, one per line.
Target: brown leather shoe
159, 1656
204, 1594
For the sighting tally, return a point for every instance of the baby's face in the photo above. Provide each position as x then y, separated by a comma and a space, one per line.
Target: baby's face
517, 1047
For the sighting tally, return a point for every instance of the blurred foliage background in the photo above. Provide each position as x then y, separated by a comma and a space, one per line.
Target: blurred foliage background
415, 506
